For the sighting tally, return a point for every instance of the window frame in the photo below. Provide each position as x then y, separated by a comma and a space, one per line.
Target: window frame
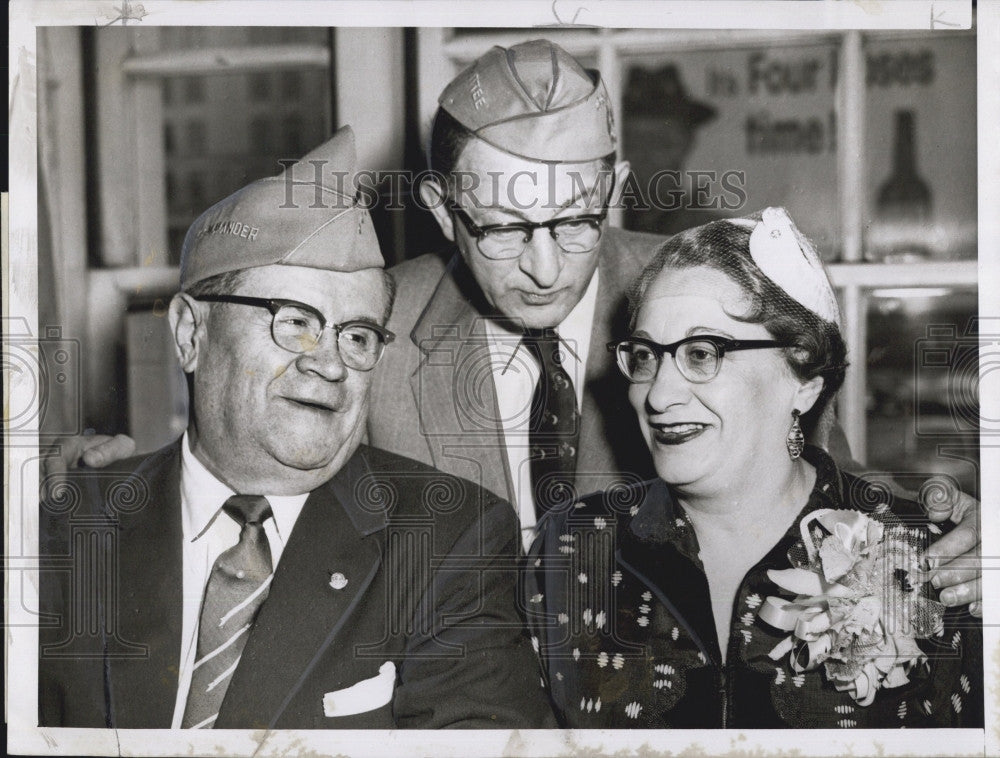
130, 114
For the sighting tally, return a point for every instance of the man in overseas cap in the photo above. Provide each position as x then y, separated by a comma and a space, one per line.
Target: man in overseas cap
523, 151
262, 575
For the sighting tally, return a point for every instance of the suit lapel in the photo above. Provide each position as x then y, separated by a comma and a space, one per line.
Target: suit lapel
610, 440
303, 613
149, 597
453, 388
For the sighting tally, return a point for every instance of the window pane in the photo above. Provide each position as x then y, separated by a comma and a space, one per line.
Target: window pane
194, 89
291, 85
293, 127
196, 144
923, 383
196, 193
222, 131
260, 131
714, 133
921, 127
260, 87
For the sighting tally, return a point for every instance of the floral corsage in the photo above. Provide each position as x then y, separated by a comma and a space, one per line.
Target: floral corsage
858, 609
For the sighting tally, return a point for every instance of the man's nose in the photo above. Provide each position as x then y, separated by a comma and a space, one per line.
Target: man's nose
542, 259
324, 358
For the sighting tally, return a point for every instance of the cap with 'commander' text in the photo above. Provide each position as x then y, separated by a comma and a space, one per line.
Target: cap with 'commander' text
536, 101
308, 215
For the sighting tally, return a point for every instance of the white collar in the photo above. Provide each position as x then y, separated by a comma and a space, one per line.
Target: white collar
575, 329
203, 495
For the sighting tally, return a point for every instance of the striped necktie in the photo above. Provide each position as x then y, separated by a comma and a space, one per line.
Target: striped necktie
554, 430
235, 591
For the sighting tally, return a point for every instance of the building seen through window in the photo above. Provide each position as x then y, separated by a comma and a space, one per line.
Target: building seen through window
222, 131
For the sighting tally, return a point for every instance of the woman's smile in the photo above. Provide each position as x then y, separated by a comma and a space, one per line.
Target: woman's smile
676, 434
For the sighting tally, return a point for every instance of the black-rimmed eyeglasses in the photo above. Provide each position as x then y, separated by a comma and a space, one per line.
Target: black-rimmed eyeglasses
298, 327
573, 234
698, 358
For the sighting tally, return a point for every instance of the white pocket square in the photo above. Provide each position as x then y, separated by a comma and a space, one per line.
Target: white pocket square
366, 695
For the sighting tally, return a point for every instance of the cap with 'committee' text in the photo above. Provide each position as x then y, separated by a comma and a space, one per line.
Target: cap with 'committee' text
308, 215
536, 101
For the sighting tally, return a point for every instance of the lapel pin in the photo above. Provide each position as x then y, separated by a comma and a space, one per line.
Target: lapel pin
338, 581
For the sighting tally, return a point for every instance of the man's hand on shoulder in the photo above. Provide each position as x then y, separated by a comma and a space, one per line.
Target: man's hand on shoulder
954, 561
93, 450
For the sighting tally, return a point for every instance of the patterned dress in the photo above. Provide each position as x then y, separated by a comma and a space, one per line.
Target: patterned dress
619, 609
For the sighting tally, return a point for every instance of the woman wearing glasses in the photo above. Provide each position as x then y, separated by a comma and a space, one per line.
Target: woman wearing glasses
753, 584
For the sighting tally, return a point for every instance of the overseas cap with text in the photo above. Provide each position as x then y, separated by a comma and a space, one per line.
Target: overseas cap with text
536, 101
308, 215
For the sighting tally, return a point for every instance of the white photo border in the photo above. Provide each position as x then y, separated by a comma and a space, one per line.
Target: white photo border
20, 290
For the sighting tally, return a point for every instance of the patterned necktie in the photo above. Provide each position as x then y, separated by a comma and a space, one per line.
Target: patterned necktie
235, 591
554, 423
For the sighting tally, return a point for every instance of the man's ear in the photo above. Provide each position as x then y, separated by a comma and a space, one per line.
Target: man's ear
435, 198
187, 326
808, 393
622, 170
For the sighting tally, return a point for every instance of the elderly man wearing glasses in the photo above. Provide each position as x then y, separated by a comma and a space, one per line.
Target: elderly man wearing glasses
267, 570
501, 374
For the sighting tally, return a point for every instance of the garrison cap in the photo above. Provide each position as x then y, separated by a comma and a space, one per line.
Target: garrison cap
536, 101
308, 215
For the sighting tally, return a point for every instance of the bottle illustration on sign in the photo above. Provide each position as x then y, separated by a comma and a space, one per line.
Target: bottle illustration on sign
903, 205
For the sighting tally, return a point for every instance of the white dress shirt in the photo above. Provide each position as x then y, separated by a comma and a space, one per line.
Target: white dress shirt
208, 532
515, 374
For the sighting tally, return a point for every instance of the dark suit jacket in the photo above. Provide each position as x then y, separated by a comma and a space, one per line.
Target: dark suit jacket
431, 567
432, 401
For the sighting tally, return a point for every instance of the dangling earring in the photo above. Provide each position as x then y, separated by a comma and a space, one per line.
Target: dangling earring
795, 440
